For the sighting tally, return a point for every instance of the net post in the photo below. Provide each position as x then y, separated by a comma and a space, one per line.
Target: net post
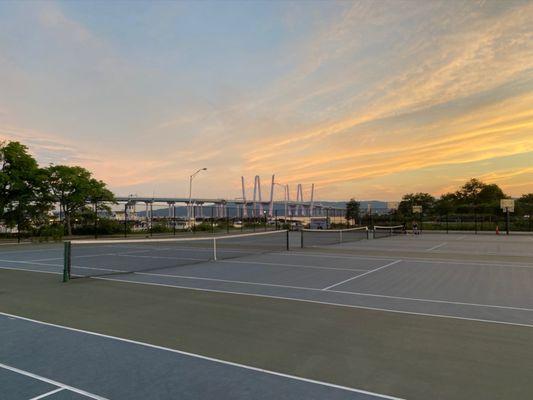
301, 239
340, 236
214, 248
287, 236
66, 261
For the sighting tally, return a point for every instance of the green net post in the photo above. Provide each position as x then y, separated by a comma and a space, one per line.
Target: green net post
66, 261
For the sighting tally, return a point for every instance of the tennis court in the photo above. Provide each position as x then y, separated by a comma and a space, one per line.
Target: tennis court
341, 317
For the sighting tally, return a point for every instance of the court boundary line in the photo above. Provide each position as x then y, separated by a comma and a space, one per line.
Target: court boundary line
408, 259
220, 280
51, 392
47, 380
438, 246
30, 270
225, 261
348, 257
361, 275
310, 301
321, 302
361, 294
202, 357
291, 265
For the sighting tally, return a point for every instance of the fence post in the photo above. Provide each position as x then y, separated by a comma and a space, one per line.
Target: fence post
507, 220
66, 261
212, 220
126, 220
475, 220
95, 220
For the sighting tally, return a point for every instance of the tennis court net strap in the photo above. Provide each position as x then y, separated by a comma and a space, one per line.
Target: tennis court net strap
387, 231
325, 237
85, 258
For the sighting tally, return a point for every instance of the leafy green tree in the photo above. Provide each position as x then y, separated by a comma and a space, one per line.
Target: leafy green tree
409, 200
524, 205
469, 192
352, 210
73, 188
476, 196
446, 204
24, 197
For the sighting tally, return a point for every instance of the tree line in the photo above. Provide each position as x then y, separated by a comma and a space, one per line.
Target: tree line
474, 197
30, 192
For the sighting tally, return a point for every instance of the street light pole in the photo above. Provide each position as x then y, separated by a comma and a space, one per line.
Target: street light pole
189, 213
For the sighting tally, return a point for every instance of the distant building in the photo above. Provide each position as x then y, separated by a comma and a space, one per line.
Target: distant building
319, 223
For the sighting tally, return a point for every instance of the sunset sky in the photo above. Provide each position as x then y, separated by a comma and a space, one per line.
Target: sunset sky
366, 99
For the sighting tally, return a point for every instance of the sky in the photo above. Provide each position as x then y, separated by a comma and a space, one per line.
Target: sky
365, 99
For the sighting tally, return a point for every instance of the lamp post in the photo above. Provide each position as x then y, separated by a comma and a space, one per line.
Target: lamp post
190, 190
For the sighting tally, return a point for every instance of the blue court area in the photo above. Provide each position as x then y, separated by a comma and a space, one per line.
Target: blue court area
45, 361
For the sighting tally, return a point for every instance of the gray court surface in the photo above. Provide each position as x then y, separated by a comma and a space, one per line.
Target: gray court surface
459, 276
45, 361
415, 274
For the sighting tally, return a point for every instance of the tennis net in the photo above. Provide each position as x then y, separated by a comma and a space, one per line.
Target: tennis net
387, 231
324, 237
86, 258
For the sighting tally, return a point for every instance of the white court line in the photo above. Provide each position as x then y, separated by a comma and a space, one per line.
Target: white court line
291, 265
227, 261
332, 291
318, 255
322, 302
285, 286
281, 286
93, 255
193, 355
222, 280
42, 396
30, 263
43, 379
407, 259
14, 243
347, 257
32, 251
361, 275
60, 265
437, 246
31, 270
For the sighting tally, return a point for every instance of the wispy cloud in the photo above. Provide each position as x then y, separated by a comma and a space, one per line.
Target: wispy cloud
362, 98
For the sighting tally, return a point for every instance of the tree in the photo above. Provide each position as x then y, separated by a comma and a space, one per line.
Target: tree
73, 188
469, 192
477, 196
352, 210
409, 200
524, 205
24, 198
446, 204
